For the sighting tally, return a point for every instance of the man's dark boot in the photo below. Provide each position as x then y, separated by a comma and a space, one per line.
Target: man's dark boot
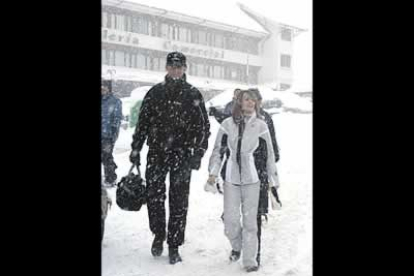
157, 246
174, 255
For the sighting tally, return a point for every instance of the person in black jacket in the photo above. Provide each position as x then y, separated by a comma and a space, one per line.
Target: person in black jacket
174, 121
264, 179
221, 115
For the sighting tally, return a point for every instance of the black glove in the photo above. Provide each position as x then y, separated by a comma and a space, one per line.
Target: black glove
277, 157
195, 159
134, 157
212, 111
195, 162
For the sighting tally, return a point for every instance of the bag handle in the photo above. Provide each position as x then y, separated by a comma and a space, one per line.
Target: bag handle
132, 168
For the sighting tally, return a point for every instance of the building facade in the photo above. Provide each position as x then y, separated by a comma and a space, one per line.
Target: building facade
137, 38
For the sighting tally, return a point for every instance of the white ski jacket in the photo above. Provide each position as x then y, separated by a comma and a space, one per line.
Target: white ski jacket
255, 130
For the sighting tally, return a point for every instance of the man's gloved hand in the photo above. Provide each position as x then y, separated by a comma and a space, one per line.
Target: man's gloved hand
135, 158
212, 111
195, 159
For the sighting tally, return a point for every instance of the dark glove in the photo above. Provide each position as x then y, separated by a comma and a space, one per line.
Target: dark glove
195, 159
277, 157
195, 162
212, 111
134, 157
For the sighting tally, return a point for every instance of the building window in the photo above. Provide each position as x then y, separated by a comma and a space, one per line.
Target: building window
251, 46
119, 58
202, 38
230, 42
134, 25
104, 19
209, 38
252, 75
233, 74
154, 28
164, 30
128, 24
194, 36
239, 44
217, 72
134, 60
120, 22
111, 57
141, 61
193, 69
154, 61
107, 20
113, 21
287, 34
285, 61
142, 25
241, 73
129, 59
183, 34
218, 40
200, 70
175, 32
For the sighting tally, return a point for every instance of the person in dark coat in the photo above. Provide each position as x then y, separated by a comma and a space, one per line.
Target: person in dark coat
111, 117
174, 122
221, 115
263, 176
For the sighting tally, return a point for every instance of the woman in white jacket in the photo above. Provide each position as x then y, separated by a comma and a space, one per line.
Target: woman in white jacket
245, 135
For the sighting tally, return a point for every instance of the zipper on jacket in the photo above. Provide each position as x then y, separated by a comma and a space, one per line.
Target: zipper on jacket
239, 142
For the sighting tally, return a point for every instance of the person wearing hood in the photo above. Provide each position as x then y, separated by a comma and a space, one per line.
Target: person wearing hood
174, 122
111, 117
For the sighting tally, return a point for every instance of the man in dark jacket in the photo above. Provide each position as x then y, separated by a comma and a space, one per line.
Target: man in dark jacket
111, 112
174, 121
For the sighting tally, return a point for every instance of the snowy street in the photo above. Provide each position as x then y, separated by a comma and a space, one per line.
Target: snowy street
286, 238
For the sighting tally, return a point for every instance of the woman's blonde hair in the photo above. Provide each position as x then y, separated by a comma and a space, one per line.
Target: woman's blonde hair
237, 112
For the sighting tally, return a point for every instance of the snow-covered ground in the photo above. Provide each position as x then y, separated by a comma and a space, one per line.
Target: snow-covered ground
286, 238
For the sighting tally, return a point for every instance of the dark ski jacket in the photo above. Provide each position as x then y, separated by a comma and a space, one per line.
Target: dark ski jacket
173, 117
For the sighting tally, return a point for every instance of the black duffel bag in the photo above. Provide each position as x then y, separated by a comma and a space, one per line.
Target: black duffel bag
131, 191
